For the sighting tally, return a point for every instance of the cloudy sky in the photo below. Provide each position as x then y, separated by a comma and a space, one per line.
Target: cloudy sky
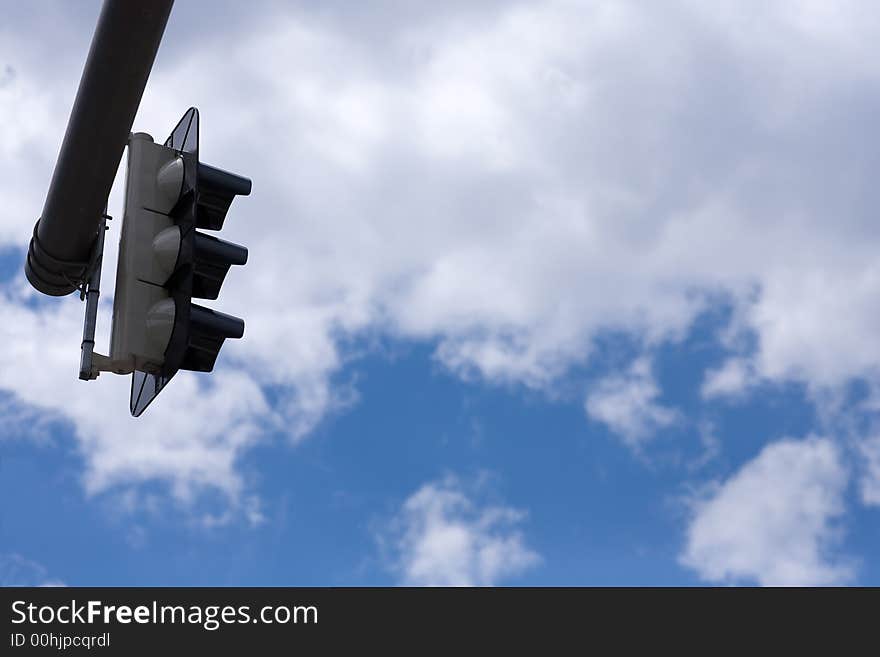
561, 292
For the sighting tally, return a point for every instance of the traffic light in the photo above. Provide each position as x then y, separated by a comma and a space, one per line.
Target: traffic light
164, 262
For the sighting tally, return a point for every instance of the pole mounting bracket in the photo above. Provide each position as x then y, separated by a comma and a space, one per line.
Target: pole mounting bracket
90, 291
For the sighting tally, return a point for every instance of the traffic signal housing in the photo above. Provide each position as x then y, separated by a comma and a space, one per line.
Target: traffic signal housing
165, 262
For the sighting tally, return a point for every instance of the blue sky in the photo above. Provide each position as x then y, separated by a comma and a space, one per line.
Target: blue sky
538, 293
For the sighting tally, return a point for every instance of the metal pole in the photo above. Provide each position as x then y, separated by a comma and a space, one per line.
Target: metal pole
123, 49
92, 294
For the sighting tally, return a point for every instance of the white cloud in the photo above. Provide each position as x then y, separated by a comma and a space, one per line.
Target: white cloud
499, 188
627, 404
15, 570
870, 480
730, 379
442, 537
773, 522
